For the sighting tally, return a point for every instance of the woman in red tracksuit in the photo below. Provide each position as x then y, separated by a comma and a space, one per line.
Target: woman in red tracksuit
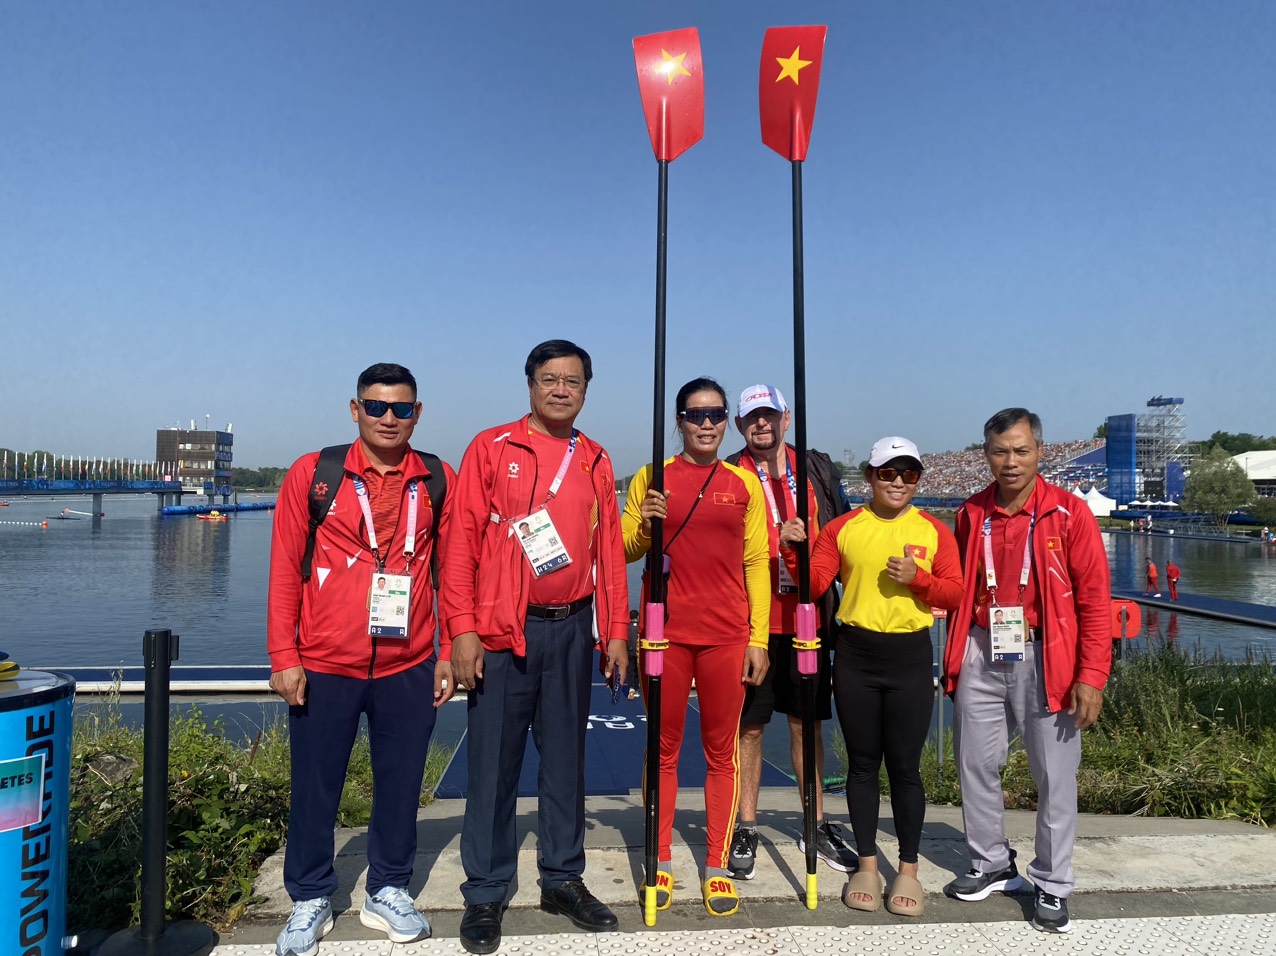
718, 607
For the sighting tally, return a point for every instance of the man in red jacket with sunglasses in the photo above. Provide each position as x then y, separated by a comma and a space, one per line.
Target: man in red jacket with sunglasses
350, 632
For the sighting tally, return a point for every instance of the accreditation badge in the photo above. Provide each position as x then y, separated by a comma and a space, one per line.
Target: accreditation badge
1007, 632
389, 603
786, 584
540, 542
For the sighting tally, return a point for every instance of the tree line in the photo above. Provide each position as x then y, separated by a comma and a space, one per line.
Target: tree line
257, 479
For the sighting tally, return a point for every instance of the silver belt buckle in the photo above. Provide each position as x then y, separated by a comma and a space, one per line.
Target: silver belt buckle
556, 612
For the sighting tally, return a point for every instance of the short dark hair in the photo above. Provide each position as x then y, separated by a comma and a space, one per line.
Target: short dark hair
385, 373
701, 384
556, 348
1007, 419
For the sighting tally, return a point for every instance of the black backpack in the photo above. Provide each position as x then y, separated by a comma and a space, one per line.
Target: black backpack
330, 471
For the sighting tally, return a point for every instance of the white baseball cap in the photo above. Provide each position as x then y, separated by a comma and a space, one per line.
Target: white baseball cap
760, 396
887, 449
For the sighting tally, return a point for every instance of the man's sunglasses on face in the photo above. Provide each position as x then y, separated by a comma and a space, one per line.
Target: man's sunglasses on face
375, 408
698, 416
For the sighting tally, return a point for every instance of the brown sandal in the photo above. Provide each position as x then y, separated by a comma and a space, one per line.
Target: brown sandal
908, 888
867, 884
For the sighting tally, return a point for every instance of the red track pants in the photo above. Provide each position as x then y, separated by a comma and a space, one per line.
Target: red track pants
716, 670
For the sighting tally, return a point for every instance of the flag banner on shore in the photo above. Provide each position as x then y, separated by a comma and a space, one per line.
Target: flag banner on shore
788, 84
671, 83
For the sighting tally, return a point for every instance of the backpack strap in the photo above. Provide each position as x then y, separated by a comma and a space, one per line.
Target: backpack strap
330, 471
436, 488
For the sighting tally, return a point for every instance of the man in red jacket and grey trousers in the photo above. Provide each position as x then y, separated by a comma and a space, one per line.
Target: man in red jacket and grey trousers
534, 573
1033, 552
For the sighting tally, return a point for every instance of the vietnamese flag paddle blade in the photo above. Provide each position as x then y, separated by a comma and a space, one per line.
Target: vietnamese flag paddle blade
671, 81
788, 83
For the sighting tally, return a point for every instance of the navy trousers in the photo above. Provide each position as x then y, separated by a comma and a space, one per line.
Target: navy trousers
547, 690
400, 711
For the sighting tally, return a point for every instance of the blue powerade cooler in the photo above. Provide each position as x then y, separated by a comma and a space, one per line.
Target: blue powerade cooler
35, 791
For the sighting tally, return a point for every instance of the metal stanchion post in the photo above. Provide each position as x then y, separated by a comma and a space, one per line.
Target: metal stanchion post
155, 937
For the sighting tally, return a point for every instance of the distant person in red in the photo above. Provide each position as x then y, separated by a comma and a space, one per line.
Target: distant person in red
1172, 576
1153, 587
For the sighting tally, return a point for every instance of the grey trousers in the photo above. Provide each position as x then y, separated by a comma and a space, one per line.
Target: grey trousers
992, 703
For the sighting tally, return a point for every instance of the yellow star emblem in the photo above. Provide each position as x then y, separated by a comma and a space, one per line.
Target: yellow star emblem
790, 67
672, 66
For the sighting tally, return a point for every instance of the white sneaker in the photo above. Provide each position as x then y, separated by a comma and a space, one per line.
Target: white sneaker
392, 912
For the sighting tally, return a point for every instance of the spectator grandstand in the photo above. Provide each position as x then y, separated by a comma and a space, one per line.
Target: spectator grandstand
959, 474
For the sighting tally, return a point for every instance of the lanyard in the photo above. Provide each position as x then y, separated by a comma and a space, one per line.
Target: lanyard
409, 543
562, 469
770, 496
990, 573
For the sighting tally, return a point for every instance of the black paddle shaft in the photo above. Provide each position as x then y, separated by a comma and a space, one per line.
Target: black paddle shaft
810, 773
655, 555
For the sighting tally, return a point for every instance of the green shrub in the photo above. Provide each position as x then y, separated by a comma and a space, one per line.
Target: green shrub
228, 806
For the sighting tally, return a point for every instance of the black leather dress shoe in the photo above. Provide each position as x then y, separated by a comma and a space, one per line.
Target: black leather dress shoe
580, 906
481, 927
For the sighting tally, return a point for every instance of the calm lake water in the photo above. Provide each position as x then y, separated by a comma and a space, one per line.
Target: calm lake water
83, 592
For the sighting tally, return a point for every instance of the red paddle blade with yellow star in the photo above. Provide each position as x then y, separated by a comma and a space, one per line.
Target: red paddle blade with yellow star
671, 81
788, 84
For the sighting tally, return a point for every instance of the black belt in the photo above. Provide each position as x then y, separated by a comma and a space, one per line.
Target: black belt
558, 612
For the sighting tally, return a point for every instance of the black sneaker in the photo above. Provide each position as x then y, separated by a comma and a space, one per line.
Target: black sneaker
744, 853
1051, 913
975, 886
831, 848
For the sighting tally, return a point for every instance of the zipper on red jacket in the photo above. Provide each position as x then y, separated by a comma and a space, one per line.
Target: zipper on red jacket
372, 661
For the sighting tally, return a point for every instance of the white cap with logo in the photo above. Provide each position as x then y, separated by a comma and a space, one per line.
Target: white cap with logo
760, 396
887, 449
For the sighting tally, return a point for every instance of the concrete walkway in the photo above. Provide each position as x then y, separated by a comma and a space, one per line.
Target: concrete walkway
1155, 885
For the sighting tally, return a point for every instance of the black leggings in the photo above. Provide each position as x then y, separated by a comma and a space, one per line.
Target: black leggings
885, 691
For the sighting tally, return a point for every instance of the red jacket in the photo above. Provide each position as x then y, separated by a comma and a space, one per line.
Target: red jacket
485, 579
1072, 577
323, 623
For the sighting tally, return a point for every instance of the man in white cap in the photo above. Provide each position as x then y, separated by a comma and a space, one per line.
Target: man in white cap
763, 417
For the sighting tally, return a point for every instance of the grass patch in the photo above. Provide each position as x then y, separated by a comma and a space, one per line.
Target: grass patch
228, 802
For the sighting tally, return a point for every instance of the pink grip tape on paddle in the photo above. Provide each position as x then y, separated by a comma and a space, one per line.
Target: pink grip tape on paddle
807, 641
653, 642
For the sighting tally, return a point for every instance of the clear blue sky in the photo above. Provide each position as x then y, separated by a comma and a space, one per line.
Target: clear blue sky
230, 208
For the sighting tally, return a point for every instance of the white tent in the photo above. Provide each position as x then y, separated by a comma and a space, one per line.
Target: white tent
1099, 503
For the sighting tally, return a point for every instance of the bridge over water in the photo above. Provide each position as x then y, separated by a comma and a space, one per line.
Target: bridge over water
166, 492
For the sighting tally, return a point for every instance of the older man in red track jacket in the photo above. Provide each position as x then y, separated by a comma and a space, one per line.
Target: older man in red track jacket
1033, 551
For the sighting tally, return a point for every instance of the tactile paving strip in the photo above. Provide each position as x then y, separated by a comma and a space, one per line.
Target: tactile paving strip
916, 939
328, 947
1091, 937
1228, 935
1253, 935
730, 941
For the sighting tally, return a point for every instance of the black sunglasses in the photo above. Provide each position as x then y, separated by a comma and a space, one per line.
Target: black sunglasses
911, 475
375, 408
698, 416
